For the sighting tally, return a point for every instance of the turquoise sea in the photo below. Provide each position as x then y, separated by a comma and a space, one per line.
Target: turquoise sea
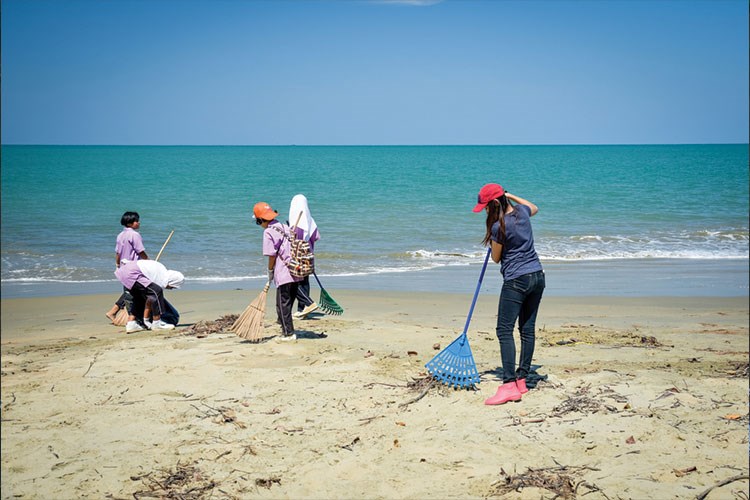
613, 220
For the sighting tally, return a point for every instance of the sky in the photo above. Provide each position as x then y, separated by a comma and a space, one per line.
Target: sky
337, 72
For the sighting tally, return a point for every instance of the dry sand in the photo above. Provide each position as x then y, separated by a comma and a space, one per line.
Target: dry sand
640, 398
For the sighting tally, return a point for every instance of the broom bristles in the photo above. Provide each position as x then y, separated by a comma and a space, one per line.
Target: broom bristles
249, 325
121, 318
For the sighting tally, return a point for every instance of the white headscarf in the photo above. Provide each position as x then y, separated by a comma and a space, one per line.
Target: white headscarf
306, 222
157, 273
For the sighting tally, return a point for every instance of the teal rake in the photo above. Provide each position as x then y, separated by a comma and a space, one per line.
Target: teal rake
455, 364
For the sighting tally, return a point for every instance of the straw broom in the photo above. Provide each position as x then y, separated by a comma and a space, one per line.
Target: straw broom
121, 318
249, 325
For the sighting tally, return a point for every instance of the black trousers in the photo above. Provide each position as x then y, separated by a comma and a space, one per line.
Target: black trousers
141, 294
303, 294
285, 295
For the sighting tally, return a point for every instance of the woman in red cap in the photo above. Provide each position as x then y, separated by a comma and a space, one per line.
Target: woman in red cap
512, 241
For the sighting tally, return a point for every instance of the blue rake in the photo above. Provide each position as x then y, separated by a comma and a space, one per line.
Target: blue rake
455, 364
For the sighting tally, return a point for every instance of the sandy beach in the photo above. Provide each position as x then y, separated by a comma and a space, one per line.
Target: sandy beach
635, 398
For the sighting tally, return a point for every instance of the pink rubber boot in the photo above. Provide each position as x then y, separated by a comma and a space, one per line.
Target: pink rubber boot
521, 384
506, 392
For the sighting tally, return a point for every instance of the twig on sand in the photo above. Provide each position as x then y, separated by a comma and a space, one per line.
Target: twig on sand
722, 483
429, 382
90, 365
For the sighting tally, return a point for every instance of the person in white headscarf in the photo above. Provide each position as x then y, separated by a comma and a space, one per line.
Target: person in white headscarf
307, 230
146, 280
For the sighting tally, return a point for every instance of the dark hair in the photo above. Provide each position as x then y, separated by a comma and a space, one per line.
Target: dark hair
496, 212
129, 217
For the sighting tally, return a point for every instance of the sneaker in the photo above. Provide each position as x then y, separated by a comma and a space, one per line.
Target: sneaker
297, 315
148, 324
161, 325
133, 326
307, 310
506, 392
286, 338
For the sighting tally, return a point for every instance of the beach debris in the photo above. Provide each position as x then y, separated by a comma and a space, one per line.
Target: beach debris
287, 430
582, 402
396, 444
368, 354
91, 364
560, 480
267, 482
741, 477
436, 346
412, 353
402, 424
518, 421
566, 342
351, 445
741, 370
424, 384
650, 341
184, 482
204, 327
630, 440
685, 471
220, 415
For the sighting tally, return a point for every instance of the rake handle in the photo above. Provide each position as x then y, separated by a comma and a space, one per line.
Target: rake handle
476, 292
316, 279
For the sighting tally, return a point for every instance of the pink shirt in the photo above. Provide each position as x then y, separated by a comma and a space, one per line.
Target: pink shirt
129, 244
274, 243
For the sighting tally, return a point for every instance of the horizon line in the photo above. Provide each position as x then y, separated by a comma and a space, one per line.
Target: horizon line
391, 145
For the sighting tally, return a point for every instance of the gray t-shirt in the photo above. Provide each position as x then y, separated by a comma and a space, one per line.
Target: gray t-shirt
518, 257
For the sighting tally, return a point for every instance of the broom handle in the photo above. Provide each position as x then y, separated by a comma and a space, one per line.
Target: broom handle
476, 292
164, 245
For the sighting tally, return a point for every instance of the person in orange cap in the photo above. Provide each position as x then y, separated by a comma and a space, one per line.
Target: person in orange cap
277, 248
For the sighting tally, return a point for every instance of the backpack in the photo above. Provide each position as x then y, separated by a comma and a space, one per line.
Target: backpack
302, 261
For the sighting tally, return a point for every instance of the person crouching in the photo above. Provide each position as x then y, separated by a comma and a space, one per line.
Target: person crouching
147, 279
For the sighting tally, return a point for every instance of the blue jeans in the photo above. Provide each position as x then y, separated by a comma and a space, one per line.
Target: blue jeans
519, 300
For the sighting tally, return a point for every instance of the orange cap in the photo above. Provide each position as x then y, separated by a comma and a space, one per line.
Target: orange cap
263, 210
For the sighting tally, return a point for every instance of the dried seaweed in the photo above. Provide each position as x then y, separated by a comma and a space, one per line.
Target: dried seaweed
204, 327
185, 482
559, 480
582, 402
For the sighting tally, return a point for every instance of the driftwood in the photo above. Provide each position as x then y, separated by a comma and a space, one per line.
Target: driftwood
723, 483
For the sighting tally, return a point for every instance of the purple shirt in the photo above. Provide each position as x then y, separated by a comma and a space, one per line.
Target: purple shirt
129, 273
274, 243
129, 244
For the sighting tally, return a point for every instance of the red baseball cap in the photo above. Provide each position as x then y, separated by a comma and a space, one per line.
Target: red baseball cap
488, 193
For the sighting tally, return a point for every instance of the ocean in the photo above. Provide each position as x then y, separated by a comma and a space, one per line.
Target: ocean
613, 220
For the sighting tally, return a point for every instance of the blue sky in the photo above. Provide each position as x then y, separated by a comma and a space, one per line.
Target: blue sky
374, 72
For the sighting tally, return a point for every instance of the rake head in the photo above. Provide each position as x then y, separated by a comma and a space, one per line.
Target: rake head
455, 365
328, 305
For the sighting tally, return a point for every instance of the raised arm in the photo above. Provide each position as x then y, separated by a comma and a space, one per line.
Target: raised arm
517, 199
